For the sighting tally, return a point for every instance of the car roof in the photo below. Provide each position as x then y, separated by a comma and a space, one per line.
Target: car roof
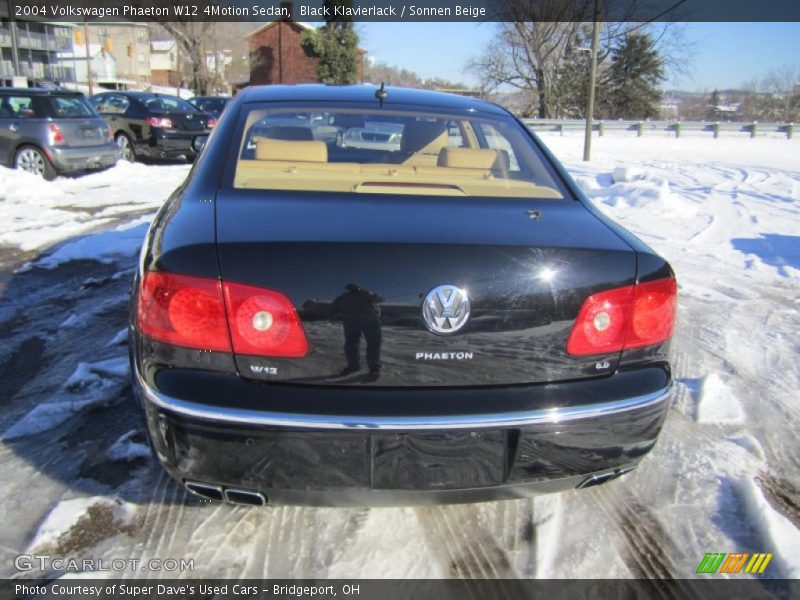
40, 91
137, 94
366, 93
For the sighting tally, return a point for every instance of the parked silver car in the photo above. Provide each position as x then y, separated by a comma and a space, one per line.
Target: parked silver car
52, 131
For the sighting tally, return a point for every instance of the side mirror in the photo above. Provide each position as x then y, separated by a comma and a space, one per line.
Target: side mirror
199, 143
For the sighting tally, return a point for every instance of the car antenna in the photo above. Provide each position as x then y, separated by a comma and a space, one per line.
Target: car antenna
381, 94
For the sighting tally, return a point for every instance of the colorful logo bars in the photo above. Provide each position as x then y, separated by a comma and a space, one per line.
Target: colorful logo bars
720, 562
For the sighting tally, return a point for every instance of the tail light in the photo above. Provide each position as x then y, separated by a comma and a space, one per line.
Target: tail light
184, 311
628, 317
110, 133
263, 322
55, 134
211, 123
202, 313
162, 122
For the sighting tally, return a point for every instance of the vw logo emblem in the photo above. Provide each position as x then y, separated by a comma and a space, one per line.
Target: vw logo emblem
446, 309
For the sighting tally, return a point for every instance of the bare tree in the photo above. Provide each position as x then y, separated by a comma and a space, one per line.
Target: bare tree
538, 50
193, 37
782, 85
525, 55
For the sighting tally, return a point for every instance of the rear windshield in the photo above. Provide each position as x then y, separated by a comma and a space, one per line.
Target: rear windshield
70, 107
390, 151
168, 104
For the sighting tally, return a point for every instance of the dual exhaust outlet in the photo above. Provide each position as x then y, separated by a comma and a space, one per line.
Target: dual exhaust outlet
239, 496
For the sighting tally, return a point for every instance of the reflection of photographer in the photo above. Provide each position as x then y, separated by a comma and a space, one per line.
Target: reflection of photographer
360, 316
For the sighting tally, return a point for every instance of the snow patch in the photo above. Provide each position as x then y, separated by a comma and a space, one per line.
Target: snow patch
749, 443
90, 385
119, 339
44, 417
87, 374
37, 213
717, 403
104, 247
66, 514
125, 449
777, 532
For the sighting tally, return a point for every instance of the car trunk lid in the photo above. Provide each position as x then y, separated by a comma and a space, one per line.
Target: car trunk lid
186, 121
525, 265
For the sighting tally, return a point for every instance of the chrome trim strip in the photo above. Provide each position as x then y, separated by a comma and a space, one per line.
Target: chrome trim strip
489, 420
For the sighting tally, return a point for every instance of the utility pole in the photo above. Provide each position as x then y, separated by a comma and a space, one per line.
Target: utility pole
587, 142
179, 67
88, 58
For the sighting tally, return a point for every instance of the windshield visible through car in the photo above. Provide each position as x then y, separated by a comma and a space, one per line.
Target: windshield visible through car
390, 151
211, 104
166, 104
71, 107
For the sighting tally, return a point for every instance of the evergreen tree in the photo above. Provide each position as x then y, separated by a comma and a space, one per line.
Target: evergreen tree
713, 106
573, 76
335, 44
630, 87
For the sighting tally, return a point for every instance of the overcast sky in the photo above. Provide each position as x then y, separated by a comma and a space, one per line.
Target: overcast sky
727, 54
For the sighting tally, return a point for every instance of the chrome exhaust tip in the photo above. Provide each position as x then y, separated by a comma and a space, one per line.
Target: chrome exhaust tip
247, 497
205, 490
599, 478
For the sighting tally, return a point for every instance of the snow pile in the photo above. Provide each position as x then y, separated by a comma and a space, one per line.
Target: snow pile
37, 213
125, 449
627, 174
718, 404
91, 385
67, 513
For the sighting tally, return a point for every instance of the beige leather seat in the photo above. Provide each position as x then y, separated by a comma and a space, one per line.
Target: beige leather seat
422, 141
291, 151
470, 158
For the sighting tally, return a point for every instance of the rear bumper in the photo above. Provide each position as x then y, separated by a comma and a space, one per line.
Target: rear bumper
325, 460
162, 144
80, 159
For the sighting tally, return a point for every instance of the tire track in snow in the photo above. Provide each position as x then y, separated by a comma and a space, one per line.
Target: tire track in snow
156, 516
649, 550
483, 551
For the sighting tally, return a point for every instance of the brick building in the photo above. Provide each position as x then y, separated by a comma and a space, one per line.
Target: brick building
277, 54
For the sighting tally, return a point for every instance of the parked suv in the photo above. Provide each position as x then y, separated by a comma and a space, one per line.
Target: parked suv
152, 125
52, 131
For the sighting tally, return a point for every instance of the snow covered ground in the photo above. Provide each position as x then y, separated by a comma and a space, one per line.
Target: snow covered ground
724, 477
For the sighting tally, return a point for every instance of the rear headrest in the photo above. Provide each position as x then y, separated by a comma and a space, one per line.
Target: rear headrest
290, 133
424, 137
469, 158
269, 149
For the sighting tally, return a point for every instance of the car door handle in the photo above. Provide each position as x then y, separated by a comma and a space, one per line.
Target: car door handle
14, 127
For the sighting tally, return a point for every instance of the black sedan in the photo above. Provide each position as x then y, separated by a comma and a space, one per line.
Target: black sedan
152, 125
444, 320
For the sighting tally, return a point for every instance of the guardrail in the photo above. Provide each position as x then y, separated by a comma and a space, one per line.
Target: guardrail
675, 128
